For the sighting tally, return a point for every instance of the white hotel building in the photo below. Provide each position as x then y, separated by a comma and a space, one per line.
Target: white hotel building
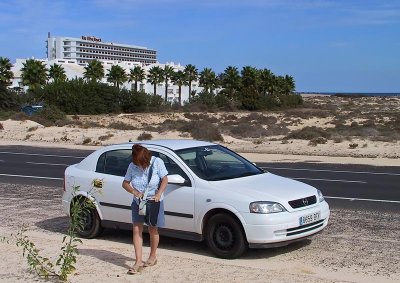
73, 54
88, 48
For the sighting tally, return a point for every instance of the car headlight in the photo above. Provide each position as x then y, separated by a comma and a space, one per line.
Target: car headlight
320, 196
266, 207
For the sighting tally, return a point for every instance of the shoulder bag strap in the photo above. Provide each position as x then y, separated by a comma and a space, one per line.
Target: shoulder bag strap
150, 174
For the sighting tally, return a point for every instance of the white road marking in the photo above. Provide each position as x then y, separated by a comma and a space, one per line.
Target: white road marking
42, 163
330, 180
332, 171
38, 154
34, 177
364, 199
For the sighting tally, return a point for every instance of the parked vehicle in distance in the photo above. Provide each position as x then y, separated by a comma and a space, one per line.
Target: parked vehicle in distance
213, 194
31, 109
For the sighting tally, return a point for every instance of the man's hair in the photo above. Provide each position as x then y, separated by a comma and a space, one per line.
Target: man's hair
141, 156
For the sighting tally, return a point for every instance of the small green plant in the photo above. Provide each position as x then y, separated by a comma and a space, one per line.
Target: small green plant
258, 141
106, 137
67, 259
64, 138
316, 141
31, 129
353, 145
28, 136
121, 126
87, 141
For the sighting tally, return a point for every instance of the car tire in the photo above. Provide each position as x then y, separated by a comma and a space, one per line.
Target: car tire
92, 224
224, 237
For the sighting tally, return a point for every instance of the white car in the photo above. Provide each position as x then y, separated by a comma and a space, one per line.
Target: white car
213, 194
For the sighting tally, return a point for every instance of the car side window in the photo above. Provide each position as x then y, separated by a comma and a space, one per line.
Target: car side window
114, 162
171, 166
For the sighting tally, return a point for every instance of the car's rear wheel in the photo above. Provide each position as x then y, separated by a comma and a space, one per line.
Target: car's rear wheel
224, 237
90, 223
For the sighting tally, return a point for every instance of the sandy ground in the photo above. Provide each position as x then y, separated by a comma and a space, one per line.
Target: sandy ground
357, 246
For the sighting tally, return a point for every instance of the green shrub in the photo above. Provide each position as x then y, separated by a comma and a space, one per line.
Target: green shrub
9, 100
144, 136
87, 141
50, 113
31, 129
106, 137
202, 130
309, 133
121, 126
353, 145
19, 116
319, 140
201, 117
245, 130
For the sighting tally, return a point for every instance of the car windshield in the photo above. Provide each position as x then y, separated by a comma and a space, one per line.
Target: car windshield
214, 163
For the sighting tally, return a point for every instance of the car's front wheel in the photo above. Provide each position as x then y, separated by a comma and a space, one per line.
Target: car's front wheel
224, 237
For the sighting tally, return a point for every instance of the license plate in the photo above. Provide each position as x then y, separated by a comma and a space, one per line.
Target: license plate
310, 218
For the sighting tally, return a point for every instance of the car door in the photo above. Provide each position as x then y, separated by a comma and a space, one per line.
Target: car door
115, 202
178, 198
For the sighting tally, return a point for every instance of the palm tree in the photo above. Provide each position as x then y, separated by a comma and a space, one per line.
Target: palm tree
280, 85
250, 77
6, 75
33, 74
168, 72
266, 81
208, 80
290, 84
155, 76
116, 75
191, 75
137, 75
94, 71
231, 81
179, 78
57, 73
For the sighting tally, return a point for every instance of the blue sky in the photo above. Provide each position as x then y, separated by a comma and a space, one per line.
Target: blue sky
343, 45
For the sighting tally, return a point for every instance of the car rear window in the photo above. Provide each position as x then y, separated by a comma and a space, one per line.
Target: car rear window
114, 162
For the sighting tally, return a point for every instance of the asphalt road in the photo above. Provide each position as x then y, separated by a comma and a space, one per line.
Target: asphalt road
352, 186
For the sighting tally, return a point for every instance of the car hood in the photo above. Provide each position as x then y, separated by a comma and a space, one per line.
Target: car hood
266, 187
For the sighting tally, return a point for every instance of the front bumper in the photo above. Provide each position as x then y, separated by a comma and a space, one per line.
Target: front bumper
280, 229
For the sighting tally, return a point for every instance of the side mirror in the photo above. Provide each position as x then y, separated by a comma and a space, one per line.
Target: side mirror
176, 179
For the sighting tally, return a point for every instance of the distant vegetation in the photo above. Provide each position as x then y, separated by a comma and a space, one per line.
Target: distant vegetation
248, 89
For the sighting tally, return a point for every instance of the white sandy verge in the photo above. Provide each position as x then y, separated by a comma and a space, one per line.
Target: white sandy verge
257, 150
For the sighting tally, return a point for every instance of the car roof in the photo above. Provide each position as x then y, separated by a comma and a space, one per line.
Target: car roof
174, 144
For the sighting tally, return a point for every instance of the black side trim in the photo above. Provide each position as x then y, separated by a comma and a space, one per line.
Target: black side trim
304, 226
170, 213
163, 231
177, 214
115, 205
